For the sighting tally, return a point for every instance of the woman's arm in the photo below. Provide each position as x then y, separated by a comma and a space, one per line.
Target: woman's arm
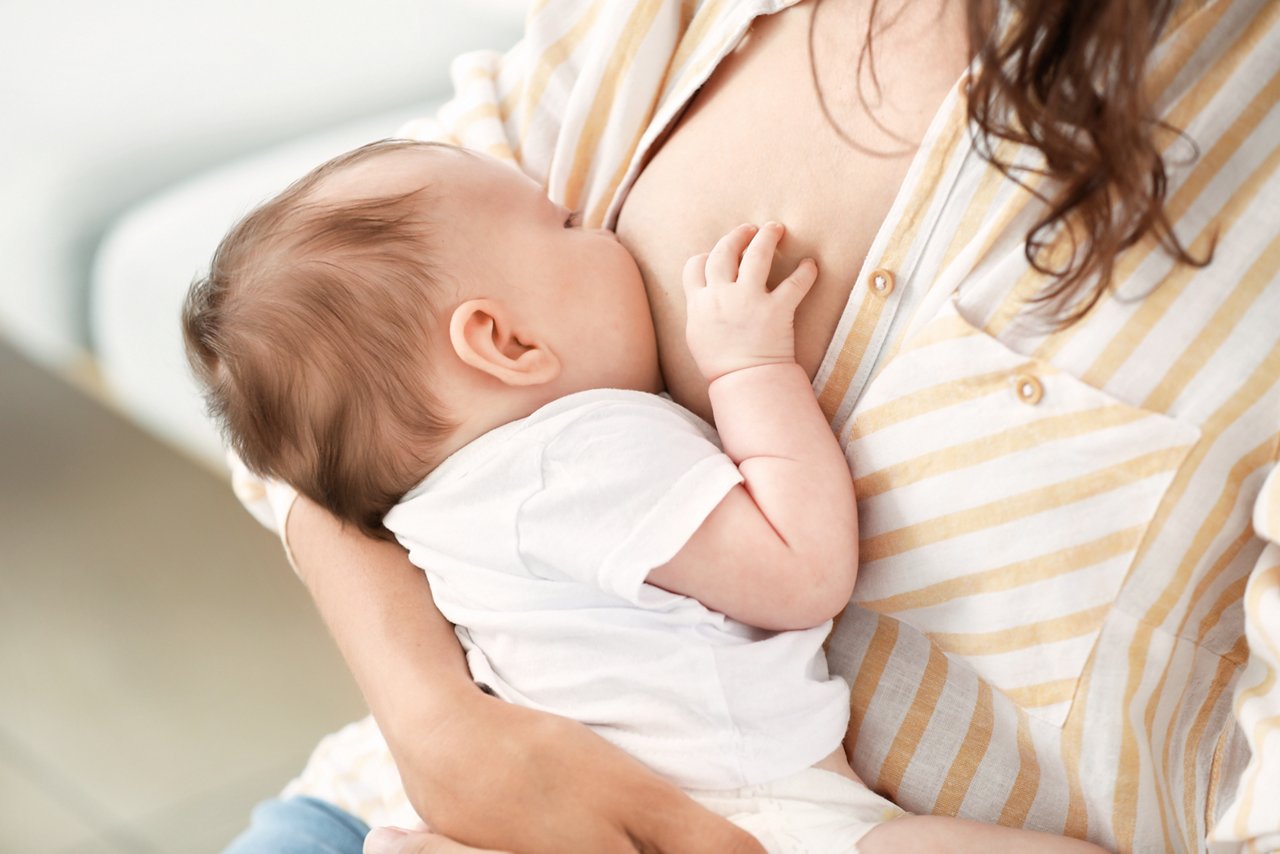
378, 607
476, 768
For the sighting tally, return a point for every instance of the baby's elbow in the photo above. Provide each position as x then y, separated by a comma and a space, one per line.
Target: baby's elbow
834, 574
834, 590
804, 615
818, 595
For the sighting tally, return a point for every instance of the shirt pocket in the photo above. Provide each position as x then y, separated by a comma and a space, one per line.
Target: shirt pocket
1001, 502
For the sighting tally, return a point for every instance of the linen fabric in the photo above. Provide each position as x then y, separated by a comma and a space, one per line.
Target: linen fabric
537, 538
1068, 610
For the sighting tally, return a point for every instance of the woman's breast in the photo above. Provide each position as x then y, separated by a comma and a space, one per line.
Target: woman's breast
754, 145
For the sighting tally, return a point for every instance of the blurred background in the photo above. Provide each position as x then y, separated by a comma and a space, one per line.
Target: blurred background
161, 670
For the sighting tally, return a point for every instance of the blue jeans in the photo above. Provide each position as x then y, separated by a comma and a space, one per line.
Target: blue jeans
300, 826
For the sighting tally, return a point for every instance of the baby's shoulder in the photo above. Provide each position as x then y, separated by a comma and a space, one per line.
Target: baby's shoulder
615, 413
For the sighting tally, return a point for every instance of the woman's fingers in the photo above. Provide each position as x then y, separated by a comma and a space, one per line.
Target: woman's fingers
679, 825
393, 840
547, 785
722, 263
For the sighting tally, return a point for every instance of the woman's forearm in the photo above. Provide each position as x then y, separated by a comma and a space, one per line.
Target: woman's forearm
403, 654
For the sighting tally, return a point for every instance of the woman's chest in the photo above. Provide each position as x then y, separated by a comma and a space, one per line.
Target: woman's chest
780, 131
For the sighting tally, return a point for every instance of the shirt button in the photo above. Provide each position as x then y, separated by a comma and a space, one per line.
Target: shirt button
881, 282
1028, 389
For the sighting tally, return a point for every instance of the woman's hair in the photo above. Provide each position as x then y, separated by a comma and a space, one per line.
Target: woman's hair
1068, 77
310, 336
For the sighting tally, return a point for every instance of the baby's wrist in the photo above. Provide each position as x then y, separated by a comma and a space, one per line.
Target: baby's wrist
756, 368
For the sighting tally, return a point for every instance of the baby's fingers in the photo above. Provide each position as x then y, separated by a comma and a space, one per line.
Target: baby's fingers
757, 260
722, 263
694, 275
795, 287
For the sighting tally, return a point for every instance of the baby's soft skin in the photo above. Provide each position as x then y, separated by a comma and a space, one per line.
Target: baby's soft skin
781, 550
535, 308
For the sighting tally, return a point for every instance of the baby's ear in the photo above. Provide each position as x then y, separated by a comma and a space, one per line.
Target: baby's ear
485, 336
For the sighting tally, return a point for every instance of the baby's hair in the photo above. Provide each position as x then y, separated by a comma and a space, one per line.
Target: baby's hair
310, 336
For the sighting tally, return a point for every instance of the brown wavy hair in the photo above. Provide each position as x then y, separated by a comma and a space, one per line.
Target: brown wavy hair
310, 336
1068, 77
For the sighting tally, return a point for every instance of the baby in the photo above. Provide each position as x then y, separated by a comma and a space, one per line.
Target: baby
417, 338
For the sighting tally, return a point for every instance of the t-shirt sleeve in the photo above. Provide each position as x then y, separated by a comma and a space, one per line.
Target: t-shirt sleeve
624, 487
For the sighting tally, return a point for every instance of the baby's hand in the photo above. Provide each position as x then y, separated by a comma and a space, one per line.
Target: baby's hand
734, 322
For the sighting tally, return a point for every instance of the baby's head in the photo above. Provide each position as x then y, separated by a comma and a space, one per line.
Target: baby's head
397, 302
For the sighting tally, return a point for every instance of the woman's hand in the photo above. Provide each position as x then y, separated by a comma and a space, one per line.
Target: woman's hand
503, 777
480, 770
397, 840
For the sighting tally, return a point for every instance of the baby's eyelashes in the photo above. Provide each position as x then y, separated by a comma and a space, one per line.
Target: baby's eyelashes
573, 220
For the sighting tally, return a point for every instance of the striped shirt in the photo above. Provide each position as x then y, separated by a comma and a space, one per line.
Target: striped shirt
1068, 610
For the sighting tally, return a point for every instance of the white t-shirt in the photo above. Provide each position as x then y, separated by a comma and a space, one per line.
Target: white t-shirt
537, 538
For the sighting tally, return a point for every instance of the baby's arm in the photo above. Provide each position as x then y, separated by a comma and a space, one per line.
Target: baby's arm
780, 552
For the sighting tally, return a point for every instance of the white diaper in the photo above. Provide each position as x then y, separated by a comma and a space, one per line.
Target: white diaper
811, 812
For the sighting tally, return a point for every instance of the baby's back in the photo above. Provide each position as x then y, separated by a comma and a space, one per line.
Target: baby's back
537, 539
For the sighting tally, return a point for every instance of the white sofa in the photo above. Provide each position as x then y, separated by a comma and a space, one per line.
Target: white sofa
138, 131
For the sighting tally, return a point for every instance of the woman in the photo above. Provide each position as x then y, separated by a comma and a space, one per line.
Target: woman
1065, 458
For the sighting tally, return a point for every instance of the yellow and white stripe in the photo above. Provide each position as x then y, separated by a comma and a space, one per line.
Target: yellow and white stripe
1068, 613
